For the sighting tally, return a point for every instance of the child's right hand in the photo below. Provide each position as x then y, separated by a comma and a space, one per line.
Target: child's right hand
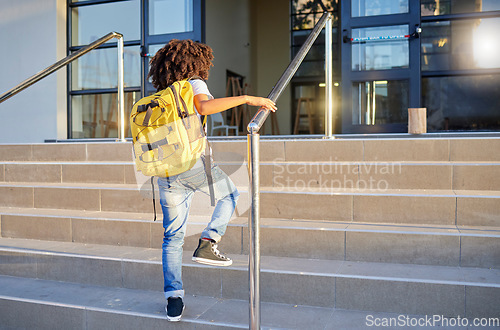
261, 102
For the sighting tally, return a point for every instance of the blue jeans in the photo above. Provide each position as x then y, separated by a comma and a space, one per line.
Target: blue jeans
176, 194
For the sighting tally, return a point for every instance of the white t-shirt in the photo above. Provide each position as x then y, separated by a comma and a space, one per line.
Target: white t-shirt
200, 87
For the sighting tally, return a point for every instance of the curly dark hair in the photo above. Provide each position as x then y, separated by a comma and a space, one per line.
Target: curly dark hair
178, 60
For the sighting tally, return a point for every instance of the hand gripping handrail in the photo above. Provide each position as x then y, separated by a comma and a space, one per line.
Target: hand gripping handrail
70, 58
253, 155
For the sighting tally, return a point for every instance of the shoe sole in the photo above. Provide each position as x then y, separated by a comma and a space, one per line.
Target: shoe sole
175, 318
211, 262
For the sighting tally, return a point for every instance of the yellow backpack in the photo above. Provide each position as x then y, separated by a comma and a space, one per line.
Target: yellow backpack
167, 133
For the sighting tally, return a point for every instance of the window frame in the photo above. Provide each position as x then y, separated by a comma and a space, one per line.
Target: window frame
145, 40
349, 77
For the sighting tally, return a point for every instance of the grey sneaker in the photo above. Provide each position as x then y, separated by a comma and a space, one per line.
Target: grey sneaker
208, 254
174, 309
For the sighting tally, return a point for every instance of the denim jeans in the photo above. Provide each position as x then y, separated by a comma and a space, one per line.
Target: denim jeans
176, 194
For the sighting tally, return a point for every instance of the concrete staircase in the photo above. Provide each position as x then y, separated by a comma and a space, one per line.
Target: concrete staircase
350, 228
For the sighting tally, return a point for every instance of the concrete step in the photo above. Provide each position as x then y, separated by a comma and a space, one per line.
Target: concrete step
434, 290
38, 304
68, 172
66, 152
97, 197
380, 176
365, 149
389, 243
416, 206
333, 175
31, 303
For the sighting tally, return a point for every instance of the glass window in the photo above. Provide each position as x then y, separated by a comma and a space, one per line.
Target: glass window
305, 21
95, 115
299, 37
98, 69
461, 44
312, 95
311, 117
309, 79
311, 69
152, 49
462, 102
380, 102
301, 6
316, 53
314, 62
380, 48
305, 91
446, 7
89, 23
361, 8
170, 16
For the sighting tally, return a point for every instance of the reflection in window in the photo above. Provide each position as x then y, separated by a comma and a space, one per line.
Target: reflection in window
316, 53
461, 44
170, 16
462, 102
89, 23
361, 8
314, 62
380, 54
307, 96
308, 81
305, 21
380, 102
306, 13
446, 7
95, 115
152, 50
308, 69
98, 69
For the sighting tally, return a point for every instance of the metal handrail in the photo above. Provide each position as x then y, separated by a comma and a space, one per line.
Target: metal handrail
70, 58
253, 139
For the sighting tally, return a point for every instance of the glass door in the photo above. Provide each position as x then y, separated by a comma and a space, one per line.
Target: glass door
380, 64
164, 20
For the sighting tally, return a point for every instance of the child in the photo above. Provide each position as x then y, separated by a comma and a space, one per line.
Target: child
178, 60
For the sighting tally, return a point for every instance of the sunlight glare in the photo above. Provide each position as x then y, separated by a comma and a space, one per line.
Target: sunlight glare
486, 43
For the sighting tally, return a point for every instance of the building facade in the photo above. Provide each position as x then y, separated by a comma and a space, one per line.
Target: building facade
389, 56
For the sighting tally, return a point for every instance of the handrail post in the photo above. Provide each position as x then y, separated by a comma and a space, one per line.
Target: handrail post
328, 78
254, 228
253, 140
121, 93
